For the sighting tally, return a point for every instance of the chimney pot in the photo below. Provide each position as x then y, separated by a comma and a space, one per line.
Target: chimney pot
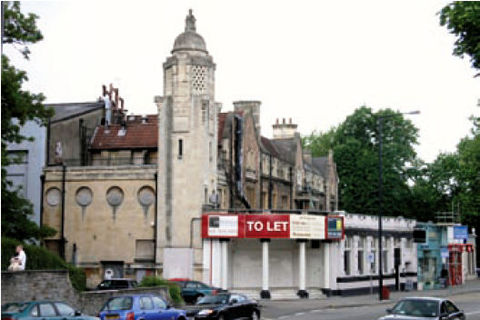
283, 121
290, 120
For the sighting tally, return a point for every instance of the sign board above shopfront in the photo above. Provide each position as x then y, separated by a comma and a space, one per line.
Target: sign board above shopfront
272, 226
460, 232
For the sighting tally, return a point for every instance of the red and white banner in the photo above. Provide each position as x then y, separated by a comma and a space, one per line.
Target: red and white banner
271, 226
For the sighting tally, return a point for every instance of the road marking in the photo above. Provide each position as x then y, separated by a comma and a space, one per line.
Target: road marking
474, 312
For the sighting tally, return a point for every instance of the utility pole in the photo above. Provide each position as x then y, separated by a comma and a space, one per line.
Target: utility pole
380, 197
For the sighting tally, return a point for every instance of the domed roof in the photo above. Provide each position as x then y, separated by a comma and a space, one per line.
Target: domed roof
190, 39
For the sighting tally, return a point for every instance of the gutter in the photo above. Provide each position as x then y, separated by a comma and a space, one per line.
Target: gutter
156, 221
62, 239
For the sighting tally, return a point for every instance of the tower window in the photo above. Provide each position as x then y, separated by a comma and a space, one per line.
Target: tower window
180, 148
199, 77
204, 110
210, 152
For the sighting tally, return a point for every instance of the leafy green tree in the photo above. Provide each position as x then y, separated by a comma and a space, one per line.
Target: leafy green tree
355, 146
18, 107
462, 18
320, 142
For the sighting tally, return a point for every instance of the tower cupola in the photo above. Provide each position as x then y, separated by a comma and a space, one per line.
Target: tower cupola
190, 40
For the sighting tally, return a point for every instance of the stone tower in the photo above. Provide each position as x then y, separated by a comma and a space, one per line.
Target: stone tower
187, 153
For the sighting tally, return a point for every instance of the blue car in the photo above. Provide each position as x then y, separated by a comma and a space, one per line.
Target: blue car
140, 307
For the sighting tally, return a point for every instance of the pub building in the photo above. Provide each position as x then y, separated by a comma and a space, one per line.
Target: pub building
306, 254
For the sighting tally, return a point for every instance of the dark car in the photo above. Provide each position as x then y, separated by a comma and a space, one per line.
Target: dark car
225, 306
140, 307
194, 290
117, 283
417, 308
53, 310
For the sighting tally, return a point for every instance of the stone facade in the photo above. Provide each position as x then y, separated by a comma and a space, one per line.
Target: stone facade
108, 216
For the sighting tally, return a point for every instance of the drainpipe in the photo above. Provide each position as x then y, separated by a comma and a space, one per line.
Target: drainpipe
262, 205
156, 227
42, 188
62, 239
270, 185
232, 180
48, 142
290, 173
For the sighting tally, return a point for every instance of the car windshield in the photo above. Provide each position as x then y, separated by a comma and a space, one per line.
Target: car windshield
220, 299
416, 308
14, 307
119, 303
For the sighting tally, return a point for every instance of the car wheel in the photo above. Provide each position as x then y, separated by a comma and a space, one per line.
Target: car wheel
254, 316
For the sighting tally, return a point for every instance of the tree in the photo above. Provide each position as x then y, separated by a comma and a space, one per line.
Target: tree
463, 20
355, 146
320, 142
18, 107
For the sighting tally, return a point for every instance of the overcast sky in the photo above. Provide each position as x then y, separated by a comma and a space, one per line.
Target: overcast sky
309, 60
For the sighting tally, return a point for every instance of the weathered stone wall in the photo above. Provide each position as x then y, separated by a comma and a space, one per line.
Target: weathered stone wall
55, 285
37, 285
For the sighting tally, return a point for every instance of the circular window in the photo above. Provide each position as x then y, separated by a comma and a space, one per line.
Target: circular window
114, 196
53, 197
84, 196
146, 196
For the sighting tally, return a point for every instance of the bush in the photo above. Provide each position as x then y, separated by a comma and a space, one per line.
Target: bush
173, 288
39, 258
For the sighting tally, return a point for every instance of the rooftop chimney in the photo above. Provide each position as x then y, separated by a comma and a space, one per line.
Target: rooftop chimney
252, 107
284, 130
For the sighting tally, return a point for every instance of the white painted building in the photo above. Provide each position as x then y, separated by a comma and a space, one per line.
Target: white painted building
283, 266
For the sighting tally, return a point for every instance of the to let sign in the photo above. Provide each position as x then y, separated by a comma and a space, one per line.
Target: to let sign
267, 226
272, 226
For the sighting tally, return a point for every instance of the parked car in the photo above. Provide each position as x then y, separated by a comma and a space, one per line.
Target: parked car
117, 283
424, 307
194, 290
42, 309
225, 306
140, 307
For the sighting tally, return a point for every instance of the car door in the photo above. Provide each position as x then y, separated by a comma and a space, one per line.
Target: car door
161, 310
189, 292
147, 311
64, 310
46, 311
453, 311
234, 307
245, 306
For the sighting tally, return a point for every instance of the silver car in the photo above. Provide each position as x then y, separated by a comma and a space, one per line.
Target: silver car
424, 308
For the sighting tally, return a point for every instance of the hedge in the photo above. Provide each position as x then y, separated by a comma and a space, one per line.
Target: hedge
39, 258
173, 288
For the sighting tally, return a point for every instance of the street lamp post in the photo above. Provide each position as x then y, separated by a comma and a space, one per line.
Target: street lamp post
380, 197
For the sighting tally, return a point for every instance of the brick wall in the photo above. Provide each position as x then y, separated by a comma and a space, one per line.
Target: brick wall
55, 285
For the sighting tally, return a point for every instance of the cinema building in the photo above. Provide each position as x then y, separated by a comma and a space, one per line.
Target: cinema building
308, 254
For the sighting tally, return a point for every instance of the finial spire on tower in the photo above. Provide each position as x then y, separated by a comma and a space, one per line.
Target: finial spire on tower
190, 22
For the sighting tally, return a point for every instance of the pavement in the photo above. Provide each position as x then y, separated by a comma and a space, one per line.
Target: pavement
286, 308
